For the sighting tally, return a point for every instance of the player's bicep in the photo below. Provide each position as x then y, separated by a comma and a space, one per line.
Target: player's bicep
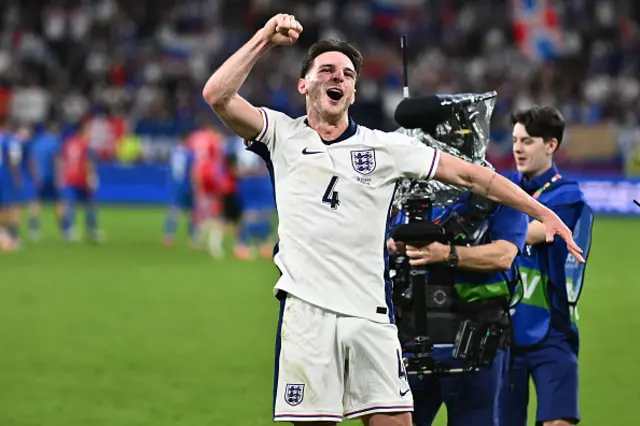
241, 117
453, 170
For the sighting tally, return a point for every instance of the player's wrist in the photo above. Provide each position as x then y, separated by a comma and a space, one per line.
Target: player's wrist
541, 212
264, 40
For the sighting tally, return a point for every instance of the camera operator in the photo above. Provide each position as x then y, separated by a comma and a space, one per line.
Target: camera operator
454, 277
482, 275
546, 338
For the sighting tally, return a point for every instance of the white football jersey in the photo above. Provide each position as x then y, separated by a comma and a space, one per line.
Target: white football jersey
333, 201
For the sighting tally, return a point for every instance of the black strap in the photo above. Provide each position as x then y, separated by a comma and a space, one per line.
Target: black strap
514, 285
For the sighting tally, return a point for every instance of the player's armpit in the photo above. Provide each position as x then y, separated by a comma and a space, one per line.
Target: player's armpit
536, 234
240, 117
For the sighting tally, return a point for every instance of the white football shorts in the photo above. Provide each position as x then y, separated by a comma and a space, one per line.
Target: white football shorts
330, 366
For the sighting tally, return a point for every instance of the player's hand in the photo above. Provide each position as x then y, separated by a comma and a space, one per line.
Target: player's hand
431, 253
554, 226
395, 247
282, 30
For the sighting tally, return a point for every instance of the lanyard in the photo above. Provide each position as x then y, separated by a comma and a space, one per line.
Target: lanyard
546, 185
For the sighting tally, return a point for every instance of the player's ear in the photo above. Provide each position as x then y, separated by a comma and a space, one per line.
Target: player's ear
552, 146
302, 86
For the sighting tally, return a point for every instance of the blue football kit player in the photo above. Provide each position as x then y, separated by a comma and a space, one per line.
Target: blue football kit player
546, 342
10, 186
27, 193
182, 163
255, 195
45, 153
483, 273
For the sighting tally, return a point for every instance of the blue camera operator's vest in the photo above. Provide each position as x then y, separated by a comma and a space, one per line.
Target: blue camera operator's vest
550, 295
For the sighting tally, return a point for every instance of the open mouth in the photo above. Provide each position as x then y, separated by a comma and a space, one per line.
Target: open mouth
335, 94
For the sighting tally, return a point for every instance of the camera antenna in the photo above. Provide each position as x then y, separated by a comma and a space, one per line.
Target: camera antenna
405, 66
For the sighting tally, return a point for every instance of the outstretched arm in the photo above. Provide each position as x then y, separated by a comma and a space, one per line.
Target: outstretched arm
221, 90
490, 184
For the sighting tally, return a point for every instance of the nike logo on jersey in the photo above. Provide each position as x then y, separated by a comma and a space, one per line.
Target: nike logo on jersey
305, 152
405, 392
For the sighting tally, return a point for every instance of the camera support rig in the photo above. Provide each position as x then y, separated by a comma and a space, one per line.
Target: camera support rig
418, 349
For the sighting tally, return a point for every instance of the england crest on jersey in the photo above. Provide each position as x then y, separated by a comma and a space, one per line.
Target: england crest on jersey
363, 161
294, 394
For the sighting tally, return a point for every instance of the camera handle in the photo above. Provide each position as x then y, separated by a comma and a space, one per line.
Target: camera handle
419, 210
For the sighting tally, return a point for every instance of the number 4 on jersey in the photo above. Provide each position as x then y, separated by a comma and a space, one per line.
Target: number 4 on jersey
331, 195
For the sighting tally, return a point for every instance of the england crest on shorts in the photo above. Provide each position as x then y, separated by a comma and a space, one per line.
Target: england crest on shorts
293, 394
364, 161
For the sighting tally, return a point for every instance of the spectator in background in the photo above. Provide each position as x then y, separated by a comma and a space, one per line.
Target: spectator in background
117, 61
122, 56
5, 90
30, 104
129, 148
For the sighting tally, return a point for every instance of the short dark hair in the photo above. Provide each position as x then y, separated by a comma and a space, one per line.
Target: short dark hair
331, 45
544, 122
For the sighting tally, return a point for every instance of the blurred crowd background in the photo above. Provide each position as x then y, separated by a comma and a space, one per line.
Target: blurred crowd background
135, 333
134, 70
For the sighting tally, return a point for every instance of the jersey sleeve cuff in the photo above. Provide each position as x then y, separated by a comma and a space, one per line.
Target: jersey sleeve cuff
434, 164
265, 126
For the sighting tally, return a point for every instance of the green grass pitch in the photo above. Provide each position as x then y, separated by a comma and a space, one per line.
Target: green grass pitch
132, 334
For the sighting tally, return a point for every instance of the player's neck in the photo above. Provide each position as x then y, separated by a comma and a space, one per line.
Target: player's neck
536, 173
328, 130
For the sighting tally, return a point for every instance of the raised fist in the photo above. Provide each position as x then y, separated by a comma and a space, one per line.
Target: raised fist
282, 29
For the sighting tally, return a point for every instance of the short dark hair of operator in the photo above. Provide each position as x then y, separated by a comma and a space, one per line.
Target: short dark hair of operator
544, 122
331, 45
